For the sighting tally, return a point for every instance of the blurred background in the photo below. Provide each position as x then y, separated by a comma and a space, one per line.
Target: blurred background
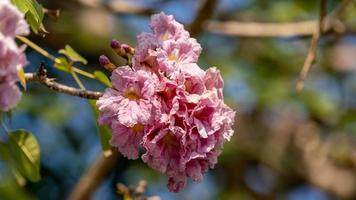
287, 145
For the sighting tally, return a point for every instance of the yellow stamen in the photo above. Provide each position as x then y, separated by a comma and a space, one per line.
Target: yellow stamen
138, 128
173, 57
169, 138
188, 85
132, 94
164, 36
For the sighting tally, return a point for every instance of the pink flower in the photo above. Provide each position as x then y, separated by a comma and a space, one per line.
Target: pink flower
12, 21
146, 42
9, 96
177, 55
127, 108
129, 101
127, 139
11, 60
168, 106
213, 81
195, 129
165, 27
12, 57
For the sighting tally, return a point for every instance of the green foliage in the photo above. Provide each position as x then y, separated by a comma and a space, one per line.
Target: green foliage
62, 64
104, 132
4, 152
33, 12
72, 55
9, 190
102, 78
26, 154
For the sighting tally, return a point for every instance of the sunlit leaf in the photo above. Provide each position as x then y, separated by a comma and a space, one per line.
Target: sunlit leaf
6, 157
26, 152
10, 190
102, 78
33, 12
21, 74
104, 132
72, 54
21, 5
62, 64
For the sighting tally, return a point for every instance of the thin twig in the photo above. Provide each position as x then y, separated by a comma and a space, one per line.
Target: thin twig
206, 11
36, 48
311, 56
93, 177
51, 57
77, 80
41, 77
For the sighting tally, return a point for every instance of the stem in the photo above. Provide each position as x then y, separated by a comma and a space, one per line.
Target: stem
51, 57
311, 56
77, 80
83, 73
51, 84
37, 48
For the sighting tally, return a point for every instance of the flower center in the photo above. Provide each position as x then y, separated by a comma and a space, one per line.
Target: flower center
168, 139
138, 128
132, 94
164, 36
188, 86
173, 57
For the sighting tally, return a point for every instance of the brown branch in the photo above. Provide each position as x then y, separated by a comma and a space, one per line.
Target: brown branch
246, 29
313, 46
121, 7
94, 176
332, 24
206, 10
41, 77
255, 29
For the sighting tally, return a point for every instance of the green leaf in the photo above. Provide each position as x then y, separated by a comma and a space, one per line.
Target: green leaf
73, 55
6, 156
62, 64
5, 153
104, 132
26, 154
102, 78
10, 190
22, 5
33, 12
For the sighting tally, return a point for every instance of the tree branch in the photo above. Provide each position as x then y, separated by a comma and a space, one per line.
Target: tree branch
313, 46
206, 10
94, 176
123, 7
249, 29
256, 29
41, 77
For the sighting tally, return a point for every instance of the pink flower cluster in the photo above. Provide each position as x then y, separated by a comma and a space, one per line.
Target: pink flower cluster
12, 57
166, 105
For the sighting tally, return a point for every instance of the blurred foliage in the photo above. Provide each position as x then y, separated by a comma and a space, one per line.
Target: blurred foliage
287, 145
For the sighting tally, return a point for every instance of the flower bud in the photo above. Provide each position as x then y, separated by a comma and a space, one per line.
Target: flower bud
127, 49
105, 62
